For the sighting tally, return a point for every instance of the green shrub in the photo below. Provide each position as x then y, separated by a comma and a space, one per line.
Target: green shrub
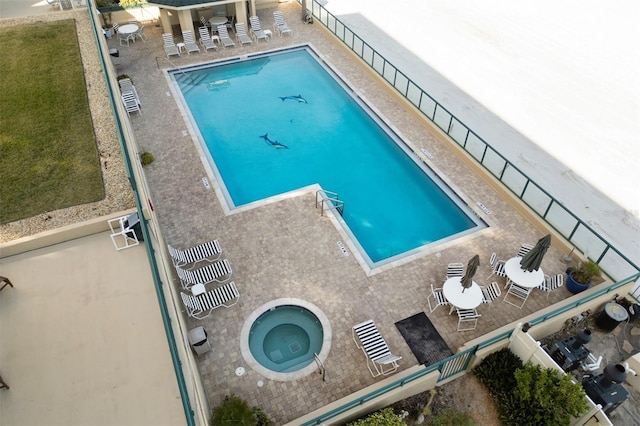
496, 371
146, 158
529, 394
384, 417
234, 410
552, 396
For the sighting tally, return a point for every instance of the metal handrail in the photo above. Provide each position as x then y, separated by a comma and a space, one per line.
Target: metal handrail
321, 367
323, 197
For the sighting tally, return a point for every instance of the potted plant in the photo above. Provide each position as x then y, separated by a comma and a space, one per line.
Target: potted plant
580, 278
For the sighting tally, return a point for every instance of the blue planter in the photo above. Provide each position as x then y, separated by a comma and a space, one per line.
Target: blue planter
575, 287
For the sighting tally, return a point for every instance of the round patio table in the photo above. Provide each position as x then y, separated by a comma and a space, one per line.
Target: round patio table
217, 20
469, 299
521, 277
128, 29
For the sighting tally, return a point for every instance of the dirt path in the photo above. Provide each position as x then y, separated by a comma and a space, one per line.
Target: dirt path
465, 394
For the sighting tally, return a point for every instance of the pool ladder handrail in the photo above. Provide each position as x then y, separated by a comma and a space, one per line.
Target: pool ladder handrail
321, 368
324, 198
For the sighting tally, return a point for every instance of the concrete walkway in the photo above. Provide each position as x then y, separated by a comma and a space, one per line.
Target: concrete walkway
82, 339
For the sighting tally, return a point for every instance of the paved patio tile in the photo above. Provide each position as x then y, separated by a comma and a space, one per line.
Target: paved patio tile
286, 249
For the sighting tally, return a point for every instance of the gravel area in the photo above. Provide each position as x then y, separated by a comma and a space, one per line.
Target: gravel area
119, 195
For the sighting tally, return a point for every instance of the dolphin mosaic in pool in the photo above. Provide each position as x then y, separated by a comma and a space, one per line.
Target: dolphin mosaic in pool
274, 144
298, 98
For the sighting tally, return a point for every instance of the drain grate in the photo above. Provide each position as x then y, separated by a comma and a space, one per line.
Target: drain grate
294, 347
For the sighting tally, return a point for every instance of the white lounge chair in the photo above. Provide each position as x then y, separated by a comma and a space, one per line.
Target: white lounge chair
130, 103
219, 271
170, 47
205, 39
209, 252
201, 306
190, 42
256, 30
127, 86
279, 25
224, 37
375, 349
241, 34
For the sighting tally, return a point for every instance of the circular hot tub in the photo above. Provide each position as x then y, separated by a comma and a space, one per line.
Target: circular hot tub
281, 339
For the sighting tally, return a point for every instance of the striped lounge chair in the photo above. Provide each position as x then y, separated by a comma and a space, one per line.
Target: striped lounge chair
209, 251
200, 307
219, 271
375, 349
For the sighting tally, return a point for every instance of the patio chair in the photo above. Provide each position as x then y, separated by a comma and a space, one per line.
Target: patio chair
524, 249
170, 47
209, 252
130, 103
205, 39
438, 298
375, 349
224, 37
517, 292
550, 284
122, 236
190, 42
127, 86
256, 30
279, 25
455, 270
497, 266
241, 34
205, 22
219, 271
490, 292
466, 317
201, 306
141, 35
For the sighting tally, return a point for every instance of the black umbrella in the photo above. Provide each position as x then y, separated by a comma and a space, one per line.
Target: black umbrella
472, 267
532, 260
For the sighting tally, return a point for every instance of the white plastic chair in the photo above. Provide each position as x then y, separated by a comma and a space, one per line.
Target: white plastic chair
438, 298
256, 29
518, 292
121, 236
280, 25
524, 249
241, 34
375, 348
466, 317
550, 284
455, 270
205, 39
497, 266
491, 292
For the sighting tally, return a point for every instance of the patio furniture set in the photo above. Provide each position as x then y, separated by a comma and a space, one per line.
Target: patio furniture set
216, 30
199, 266
520, 280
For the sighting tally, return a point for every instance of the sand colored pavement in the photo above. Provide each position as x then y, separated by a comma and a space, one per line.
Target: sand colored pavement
82, 340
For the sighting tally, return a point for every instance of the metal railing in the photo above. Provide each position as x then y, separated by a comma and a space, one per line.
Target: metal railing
329, 200
553, 212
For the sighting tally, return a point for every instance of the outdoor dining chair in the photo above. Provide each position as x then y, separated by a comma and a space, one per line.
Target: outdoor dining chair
467, 319
438, 298
551, 283
518, 292
490, 292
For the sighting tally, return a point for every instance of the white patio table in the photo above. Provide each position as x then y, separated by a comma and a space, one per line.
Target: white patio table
217, 20
128, 29
521, 277
469, 299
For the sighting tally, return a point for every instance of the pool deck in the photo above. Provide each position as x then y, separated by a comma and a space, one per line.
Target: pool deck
287, 249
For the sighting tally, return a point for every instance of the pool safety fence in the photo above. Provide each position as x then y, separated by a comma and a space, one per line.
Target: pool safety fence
576, 231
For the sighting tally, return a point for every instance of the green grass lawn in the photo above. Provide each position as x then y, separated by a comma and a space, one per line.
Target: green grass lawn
48, 153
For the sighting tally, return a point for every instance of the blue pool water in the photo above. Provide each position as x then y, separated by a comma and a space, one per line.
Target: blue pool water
277, 123
285, 338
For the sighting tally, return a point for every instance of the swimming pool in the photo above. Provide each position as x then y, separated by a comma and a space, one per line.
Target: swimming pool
273, 123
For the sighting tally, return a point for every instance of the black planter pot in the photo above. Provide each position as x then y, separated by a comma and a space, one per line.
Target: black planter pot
573, 286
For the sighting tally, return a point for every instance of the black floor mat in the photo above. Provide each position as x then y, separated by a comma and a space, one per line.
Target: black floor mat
423, 339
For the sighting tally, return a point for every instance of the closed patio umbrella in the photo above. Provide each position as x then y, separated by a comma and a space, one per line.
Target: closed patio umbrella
472, 267
532, 260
